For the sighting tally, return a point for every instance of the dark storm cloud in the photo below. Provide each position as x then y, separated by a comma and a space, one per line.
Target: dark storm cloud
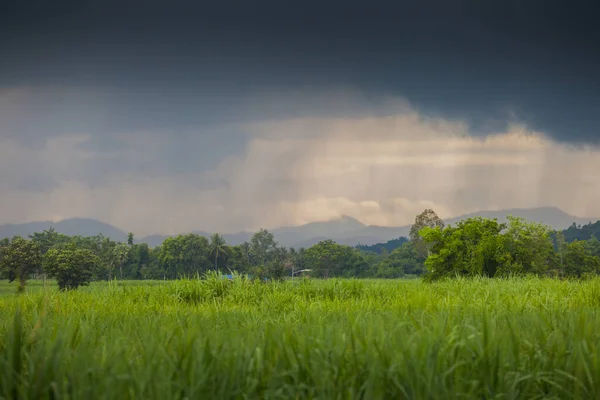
170, 66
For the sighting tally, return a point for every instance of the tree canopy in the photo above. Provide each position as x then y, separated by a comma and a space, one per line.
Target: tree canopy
483, 247
472, 247
71, 266
20, 259
427, 218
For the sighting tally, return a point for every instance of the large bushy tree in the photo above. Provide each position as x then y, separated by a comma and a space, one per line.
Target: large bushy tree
327, 258
184, 255
427, 218
263, 247
527, 247
48, 239
140, 259
71, 266
406, 259
20, 259
483, 247
467, 249
579, 260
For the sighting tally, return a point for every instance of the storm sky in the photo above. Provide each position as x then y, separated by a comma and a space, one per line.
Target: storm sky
165, 117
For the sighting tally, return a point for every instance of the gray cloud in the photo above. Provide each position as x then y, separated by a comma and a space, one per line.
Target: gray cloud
103, 67
234, 115
381, 167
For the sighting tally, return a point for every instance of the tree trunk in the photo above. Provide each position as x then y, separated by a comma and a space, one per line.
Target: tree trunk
22, 281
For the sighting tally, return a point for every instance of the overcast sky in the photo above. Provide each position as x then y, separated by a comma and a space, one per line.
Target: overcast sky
164, 117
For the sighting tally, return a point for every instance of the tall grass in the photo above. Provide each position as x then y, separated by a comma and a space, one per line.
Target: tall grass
334, 339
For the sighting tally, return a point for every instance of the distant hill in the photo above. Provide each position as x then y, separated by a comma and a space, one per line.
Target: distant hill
71, 227
152, 240
369, 235
552, 216
231, 238
344, 230
297, 236
584, 232
388, 246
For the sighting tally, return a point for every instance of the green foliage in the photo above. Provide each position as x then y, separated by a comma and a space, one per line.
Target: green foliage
527, 247
593, 246
49, 239
327, 258
238, 259
402, 261
579, 260
262, 247
427, 218
471, 248
274, 270
184, 255
474, 247
140, 259
585, 232
217, 247
20, 259
388, 269
212, 338
483, 247
381, 248
118, 256
72, 267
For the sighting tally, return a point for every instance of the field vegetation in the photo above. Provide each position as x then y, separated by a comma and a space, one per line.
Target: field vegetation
215, 338
469, 248
500, 311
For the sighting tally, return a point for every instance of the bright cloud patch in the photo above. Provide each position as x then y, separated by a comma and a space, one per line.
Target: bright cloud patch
381, 170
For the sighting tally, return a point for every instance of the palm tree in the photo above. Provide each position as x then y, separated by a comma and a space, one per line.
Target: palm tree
217, 246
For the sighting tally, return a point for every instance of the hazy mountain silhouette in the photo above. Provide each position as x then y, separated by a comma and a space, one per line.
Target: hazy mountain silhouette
71, 227
344, 230
552, 216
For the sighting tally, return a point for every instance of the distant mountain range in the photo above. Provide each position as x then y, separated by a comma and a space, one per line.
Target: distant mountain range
345, 230
71, 227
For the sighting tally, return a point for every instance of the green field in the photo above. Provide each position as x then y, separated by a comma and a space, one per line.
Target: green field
327, 339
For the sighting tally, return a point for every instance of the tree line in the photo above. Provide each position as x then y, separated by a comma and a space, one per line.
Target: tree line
485, 247
472, 247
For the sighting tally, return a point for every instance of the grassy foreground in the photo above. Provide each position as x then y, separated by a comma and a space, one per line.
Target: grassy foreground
334, 339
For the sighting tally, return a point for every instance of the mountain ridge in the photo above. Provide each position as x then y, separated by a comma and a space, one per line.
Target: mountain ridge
344, 229
70, 226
